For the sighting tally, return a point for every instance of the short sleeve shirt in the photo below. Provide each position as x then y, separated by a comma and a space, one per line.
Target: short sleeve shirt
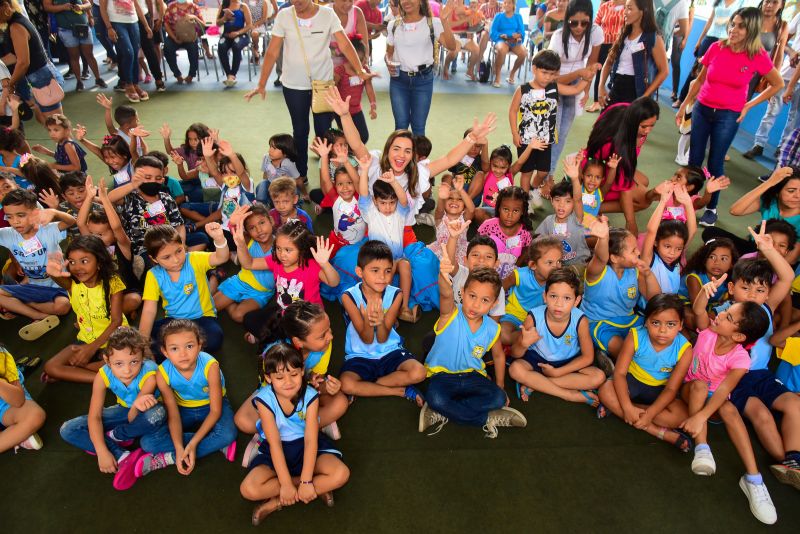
575, 58
89, 305
138, 215
31, 254
572, 237
728, 76
412, 42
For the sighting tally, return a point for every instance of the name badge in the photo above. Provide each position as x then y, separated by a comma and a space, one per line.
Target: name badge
676, 211
467, 160
121, 178
560, 228
232, 193
210, 183
304, 23
409, 26
721, 21
588, 199
355, 81
638, 47
512, 242
537, 94
503, 183
31, 246
156, 208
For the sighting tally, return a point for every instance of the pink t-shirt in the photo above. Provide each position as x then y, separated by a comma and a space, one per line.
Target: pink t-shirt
351, 86
436, 8
711, 367
728, 76
493, 185
300, 284
509, 249
675, 211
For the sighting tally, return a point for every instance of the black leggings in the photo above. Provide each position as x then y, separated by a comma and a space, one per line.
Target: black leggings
604, 50
149, 50
361, 125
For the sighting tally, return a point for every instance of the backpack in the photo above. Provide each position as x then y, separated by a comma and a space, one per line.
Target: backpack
484, 71
662, 14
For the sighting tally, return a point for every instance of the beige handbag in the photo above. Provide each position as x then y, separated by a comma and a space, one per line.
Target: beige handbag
318, 87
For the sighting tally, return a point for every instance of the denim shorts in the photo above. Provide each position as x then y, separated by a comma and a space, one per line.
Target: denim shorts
38, 79
69, 39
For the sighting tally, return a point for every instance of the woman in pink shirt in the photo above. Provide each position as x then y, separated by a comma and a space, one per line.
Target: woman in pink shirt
720, 91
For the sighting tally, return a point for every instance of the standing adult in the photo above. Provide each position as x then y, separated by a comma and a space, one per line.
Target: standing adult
721, 93
577, 43
353, 22
73, 29
184, 24
304, 32
637, 63
102, 36
24, 55
234, 17
150, 38
374, 17
611, 18
508, 34
672, 18
121, 19
412, 53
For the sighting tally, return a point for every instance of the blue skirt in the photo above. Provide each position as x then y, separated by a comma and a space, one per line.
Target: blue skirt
293, 451
33, 293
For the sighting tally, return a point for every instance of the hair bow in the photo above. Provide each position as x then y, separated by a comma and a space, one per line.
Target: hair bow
706, 173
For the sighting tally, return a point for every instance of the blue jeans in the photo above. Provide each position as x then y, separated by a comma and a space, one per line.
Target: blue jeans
566, 116
171, 55
127, 46
76, 431
299, 104
465, 398
193, 189
102, 34
715, 128
773, 109
220, 436
236, 46
411, 101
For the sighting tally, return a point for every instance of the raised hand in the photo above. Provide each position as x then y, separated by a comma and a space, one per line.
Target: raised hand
572, 165
91, 189
613, 161
664, 189
323, 251
456, 228
104, 101
459, 181
79, 132
49, 198
529, 336
214, 231
321, 147
445, 268
387, 177
238, 216
334, 100
56, 265
485, 128
225, 148
711, 288
176, 157
341, 154
762, 238
681, 194
208, 146
444, 191
599, 227
139, 132
717, 184
165, 131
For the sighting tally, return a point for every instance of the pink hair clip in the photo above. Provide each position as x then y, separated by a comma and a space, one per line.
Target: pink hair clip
706, 173
25, 158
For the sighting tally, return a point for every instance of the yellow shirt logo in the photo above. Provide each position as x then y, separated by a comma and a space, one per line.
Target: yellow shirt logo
632, 292
478, 351
568, 339
188, 288
301, 416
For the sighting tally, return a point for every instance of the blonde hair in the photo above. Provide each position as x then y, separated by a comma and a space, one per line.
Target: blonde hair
751, 18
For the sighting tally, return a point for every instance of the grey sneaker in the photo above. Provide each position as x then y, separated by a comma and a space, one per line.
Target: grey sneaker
603, 362
251, 451
709, 218
426, 218
503, 417
151, 462
703, 463
429, 418
760, 502
787, 472
138, 266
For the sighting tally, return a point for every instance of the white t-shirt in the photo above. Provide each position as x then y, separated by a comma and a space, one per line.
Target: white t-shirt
412, 42
460, 278
625, 57
423, 183
576, 59
347, 220
317, 33
385, 228
679, 12
122, 11
787, 71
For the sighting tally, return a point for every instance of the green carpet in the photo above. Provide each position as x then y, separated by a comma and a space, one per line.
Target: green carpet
566, 471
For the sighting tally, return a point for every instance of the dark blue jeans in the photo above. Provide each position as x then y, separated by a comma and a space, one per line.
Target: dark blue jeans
465, 398
193, 189
76, 431
716, 129
299, 104
411, 100
235, 46
102, 34
220, 436
171, 55
127, 47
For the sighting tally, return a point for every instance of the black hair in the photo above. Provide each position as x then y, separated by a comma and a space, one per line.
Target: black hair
514, 193
695, 178
547, 60
97, 215
148, 161
282, 356
333, 134
160, 156
176, 326
753, 271
754, 322
72, 179
485, 275
202, 132
423, 146
663, 302
773, 193
257, 208
358, 44
616, 239
502, 152
224, 161
697, 263
574, 7
779, 226
564, 275
561, 189
284, 143
383, 191
298, 318
21, 197
11, 140
116, 145
482, 241
299, 235
374, 250
106, 266
671, 228
124, 114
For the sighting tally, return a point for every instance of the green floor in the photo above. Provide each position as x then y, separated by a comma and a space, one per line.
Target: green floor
566, 471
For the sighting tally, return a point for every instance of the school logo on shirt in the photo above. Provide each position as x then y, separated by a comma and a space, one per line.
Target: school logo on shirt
478, 351
188, 288
205, 389
632, 292
301, 415
568, 339
665, 370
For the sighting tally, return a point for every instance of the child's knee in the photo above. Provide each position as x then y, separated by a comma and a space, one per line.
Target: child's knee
417, 372
249, 487
349, 381
517, 369
697, 388
596, 376
760, 415
342, 475
61, 306
155, 416
728, 412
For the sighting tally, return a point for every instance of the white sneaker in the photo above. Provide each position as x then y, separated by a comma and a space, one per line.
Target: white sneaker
535, 198
703, 463
251, 451
426, 219
33, 443
760, 502
332, 431
429, 417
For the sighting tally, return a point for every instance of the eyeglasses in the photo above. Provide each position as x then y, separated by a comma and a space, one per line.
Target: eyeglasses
582, 23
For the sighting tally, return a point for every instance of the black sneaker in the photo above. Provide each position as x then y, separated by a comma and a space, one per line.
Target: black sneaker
277, 83
754, 152
119, 88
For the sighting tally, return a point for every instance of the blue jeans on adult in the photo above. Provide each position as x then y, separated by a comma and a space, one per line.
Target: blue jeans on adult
76, 431
299, 103
464, 398
102, 34
127, 46
235, 46
773, 109
566, 116
411, 100
220, 436
171, 55
716, 129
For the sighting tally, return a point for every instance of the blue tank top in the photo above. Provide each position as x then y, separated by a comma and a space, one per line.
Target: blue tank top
761, 351
191, 393
651, 367
316, 362
354, 346
291, 426
591, 201
669, 278
259, 279
236, 24
609, 298
458, 349
555, 348
525, 295
703, 279
127, 394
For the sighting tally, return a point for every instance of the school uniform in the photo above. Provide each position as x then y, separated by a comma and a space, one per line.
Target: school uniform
702, 279
9, 373
608, 303
525, 295
258, 285
551, 349
650, 369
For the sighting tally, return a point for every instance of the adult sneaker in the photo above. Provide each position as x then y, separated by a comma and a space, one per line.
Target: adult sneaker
703, 463
535, 198
709, 218
428, 418
754, 152
787, 472
251, 451
760, 502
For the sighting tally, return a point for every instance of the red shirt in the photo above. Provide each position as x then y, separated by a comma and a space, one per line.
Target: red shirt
351, 86
371, 15
610, 17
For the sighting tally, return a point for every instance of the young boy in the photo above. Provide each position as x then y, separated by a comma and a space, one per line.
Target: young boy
30, 238
173, 185
73, 189
20, 416
376, 364
127, 118
566, 223
533, 116
459, 388
7, 184
283, 192
385, 215
473, 167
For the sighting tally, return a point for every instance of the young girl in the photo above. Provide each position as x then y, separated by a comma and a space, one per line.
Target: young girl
297, 264
295, 463
509, 228
20, 416
351, 85
525, 285
348, 225
249, 290
615, 277
69, 156
114, 152
278, 162
42, 180
591, 176
554, 351
454, 207
179, 278
714, 259
333, 142
199, 416
12, 147
95, 292
501, 175
693, 179
649, 373
130, 374
191, 154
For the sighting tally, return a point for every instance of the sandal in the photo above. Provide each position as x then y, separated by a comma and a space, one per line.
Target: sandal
685, 442
588, 398
602, 413
496, 85
132, 97
409, 315
37, 329
524, 392
327, 498
411, 393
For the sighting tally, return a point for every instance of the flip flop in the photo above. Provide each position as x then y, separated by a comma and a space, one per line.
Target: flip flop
411, 393
37, 329
524, 390
496, 85
602, 413
685, 442
22, 362
589, 400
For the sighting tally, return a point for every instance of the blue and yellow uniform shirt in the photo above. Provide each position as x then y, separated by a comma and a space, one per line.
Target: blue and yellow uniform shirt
260, 280
526, 293
457, 348
189, 296
702, 279
788, 370
652, 367
192, 392
291, 426
127, 394
557, 348
610, 299
354, 346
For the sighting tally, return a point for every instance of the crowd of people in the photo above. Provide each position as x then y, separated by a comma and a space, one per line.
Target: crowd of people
622, 321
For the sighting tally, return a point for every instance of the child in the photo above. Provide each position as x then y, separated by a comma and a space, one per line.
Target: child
172, 185
129, 373
554, 352
73, 190
385, 212
190, 153
278, 162
459, 388
199, 416
348, 225
249, 290
533, 117
89, 275
473, 167
649, 373
501, 175
351, 85
332, 142
42, 180
69, 156
179, 278
12, 147
693, 179
720, 361
283, 193
591, 177
509, 228
20, 416
30, 238
126, 117
615, 277
714, 259
566, 223
454, 207
295, 463
525, 285
376, 364
114, 152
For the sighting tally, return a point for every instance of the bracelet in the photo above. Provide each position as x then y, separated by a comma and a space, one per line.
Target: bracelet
307, 482
223, 245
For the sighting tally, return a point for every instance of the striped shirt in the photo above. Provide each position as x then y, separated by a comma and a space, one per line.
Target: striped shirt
611, 20
790, 151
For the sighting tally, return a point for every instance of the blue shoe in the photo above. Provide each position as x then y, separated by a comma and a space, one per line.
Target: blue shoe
411, 393
709, 218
